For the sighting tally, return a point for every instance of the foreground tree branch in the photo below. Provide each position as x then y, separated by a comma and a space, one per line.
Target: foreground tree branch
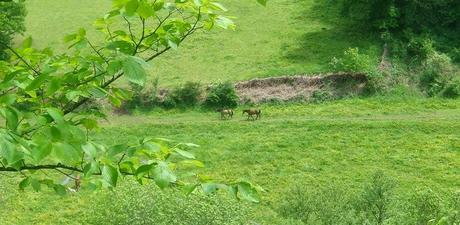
45, 130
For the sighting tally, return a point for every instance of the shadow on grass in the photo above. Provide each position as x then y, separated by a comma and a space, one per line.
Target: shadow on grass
331, 35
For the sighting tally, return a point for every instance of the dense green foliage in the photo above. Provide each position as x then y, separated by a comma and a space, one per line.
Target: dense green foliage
378, 202
411, 21
12, 18
188, 94
222, 95
413, 141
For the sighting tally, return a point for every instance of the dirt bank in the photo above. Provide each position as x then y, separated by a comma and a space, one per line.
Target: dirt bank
300, 87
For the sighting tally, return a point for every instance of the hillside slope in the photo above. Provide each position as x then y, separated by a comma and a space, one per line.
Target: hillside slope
287, 37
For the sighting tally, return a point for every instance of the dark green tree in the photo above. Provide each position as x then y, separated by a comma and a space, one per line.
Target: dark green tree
12, 14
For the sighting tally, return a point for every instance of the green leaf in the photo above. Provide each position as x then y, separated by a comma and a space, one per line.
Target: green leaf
60, 189
9, 152
247, 192
66, 153
24, 183
143, 170
8, 99
209, 188
11, 117
70, 37
218, 6
262, 2
117, 149
224, 22
189, 188
131, 7
53, 86
114, 66
158, 5
27, 43
41, 152
110, 175
184, 154
133, 67
90, 168
122, 46
145, 10
89, 149
163, 175
36, 185
37, 82
56, 114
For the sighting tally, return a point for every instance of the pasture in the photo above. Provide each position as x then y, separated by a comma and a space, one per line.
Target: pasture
286, 37
414, 141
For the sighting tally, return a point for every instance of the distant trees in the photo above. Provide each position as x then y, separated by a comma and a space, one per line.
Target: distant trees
411, 21
11, 22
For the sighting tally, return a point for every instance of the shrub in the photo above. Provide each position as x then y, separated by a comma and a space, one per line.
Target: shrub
222, 95
438, 76
376, 199
451, 89
187, 94
135, 205
321, 95
141, 97
353, 61
424, 207
330, 204
356, 62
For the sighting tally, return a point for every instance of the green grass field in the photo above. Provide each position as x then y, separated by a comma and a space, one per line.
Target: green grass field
286, 37
415, 141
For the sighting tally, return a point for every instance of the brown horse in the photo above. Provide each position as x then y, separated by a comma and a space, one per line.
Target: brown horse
225, 113
253, 112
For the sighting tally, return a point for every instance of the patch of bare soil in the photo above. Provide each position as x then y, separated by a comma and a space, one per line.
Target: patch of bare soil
301, 87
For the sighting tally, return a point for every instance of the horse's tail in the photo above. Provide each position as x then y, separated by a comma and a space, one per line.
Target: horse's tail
231, 112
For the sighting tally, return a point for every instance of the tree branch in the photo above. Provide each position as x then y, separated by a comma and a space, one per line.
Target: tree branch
20, 58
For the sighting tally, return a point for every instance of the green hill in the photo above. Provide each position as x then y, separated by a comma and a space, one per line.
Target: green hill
287, 37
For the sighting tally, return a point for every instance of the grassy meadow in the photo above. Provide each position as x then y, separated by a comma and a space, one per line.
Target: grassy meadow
414, 141
286, 37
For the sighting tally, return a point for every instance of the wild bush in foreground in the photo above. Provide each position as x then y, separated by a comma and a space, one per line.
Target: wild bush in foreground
147, 205
377, 204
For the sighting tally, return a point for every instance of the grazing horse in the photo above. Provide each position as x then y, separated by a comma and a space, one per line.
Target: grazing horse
252, 112
225, 113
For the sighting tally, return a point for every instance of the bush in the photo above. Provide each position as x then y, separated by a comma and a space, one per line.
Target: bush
321, 95
222, 95
141, 97
326, 205
188, 94
353, 61
376, 199
145, 205
438, 76
424, 207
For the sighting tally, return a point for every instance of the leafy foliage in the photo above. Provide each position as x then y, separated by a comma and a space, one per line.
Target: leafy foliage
131, 204
188, 94
51, 134
439, 76
222, 95
409, 19
12, 14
